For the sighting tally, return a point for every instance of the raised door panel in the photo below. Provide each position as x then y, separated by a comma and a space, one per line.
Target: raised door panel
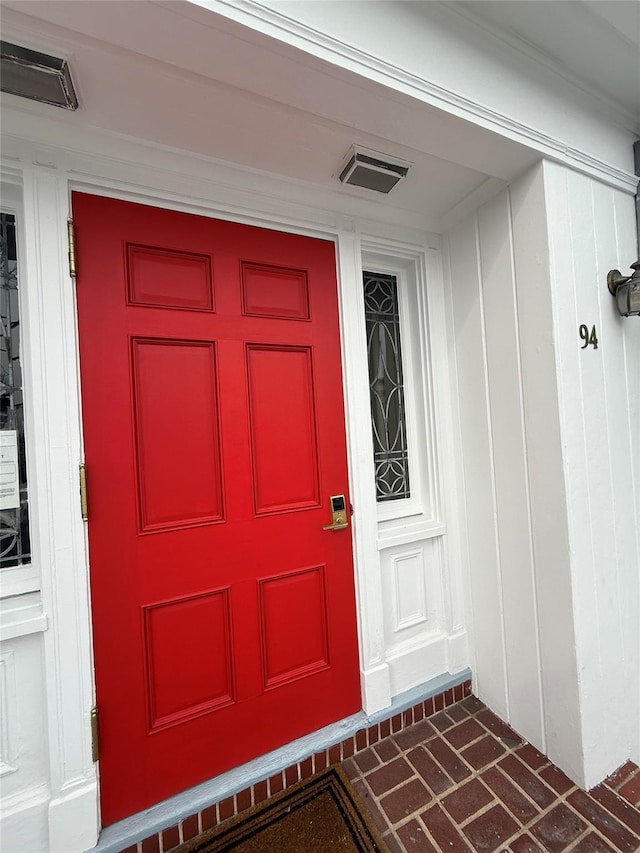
177, 434
283, 428
188, 657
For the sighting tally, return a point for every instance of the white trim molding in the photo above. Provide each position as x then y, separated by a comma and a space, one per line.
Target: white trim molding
60, 533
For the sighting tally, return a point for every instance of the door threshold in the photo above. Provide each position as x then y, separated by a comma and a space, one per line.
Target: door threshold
131, 830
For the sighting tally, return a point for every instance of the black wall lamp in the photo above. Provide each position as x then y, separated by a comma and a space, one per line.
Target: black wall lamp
626, 290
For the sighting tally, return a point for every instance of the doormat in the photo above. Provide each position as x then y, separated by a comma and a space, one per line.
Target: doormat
316, 815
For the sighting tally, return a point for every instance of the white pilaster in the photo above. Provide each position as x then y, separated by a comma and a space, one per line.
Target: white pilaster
73, 810
376, 680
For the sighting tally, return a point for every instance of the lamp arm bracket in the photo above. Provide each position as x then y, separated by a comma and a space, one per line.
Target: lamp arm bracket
615, 279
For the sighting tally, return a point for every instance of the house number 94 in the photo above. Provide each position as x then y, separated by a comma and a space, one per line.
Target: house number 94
589, 337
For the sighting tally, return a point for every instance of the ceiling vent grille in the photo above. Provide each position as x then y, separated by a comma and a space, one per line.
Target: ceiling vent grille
372, 170
38, 76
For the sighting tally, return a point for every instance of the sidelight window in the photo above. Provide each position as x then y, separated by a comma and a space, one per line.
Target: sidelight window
386, 385
15, 549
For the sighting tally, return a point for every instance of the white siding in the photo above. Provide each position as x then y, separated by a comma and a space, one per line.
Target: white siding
491, 380
486, 587
547, 433
551, 550
510, 465
591, 231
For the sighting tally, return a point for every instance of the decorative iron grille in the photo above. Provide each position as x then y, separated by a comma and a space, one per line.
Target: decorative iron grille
15, 546
390, 452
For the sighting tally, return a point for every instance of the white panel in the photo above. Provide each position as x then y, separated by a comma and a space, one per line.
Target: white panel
486, 593
23, 823
596, 592
418, 644
413, 663
546, 473
510, 469
411, 603
415, 624
613, 218
23, 760
453, 547
625, 467
8, 714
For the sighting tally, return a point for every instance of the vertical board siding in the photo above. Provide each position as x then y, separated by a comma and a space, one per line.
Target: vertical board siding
591, 232
566, 270
510, 468
622, 395
486, 591
560, 694
549, 437
593, 203
520, 589
627, 462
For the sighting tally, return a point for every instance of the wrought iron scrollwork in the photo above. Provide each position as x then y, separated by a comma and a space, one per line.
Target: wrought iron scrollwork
390, 450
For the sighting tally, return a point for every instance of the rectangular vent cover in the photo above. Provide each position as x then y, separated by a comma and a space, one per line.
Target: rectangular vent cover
37, 76
372, 170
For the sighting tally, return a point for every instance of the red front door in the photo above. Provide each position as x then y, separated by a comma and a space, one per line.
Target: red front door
223, 614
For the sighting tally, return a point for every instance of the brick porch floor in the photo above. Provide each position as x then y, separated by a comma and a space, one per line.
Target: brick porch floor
447, 776
463, 781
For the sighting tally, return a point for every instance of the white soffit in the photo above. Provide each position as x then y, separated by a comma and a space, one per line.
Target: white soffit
184, 77
595, 43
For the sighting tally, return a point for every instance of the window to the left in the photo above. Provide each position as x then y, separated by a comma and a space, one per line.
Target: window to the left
15, 542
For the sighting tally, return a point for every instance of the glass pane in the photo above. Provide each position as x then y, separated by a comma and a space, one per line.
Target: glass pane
14, 511
386, 387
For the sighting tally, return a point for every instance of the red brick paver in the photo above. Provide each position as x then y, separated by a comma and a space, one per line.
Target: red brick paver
462, 781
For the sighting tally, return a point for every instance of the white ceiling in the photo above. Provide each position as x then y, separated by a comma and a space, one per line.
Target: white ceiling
181, 76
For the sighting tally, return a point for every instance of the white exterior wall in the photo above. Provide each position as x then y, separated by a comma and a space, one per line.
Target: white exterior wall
546, 432
591, 230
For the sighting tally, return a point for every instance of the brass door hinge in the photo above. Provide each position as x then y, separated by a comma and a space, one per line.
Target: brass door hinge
83, 492
71, 233
95, 735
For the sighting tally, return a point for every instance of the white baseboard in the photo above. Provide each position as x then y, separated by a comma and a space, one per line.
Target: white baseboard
376, 688
23, 822
73, 820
